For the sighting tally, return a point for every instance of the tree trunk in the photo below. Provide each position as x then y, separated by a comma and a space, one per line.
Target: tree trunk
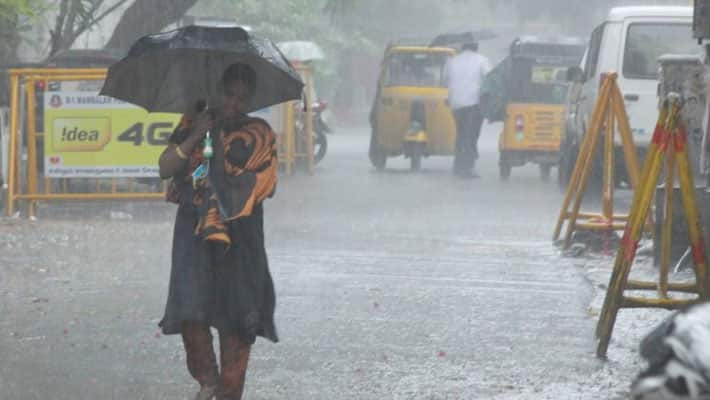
56, 33
144, 17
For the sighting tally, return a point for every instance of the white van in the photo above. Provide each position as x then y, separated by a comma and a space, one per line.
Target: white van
629, 42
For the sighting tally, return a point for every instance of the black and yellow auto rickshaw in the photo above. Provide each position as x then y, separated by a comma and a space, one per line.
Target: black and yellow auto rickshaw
527, 91
409, 115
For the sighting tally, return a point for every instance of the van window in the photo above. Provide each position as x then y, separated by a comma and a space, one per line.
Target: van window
595, 44
646, 42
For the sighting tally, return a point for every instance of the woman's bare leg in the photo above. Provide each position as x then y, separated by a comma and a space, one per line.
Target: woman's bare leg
201, 359
234, 357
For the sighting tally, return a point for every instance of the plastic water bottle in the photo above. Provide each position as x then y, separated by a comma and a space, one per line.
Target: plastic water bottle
208, 150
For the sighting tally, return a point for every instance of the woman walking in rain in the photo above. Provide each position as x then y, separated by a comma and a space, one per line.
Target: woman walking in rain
220, 277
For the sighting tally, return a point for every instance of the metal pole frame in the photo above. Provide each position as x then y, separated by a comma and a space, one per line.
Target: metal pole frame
14, 123
609, 114
669, 141
303, 140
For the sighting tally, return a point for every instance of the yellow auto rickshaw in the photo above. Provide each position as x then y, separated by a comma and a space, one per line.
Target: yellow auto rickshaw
409, 116
527, 92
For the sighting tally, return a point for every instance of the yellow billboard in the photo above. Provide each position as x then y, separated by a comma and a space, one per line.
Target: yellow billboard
91, 136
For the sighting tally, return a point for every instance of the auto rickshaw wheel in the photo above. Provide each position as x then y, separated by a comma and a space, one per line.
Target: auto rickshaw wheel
545, 170
320, 145
505, 169
379, 161
416, 162
378, 157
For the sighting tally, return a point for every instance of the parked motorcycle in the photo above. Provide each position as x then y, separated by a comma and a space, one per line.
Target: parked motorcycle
320, 129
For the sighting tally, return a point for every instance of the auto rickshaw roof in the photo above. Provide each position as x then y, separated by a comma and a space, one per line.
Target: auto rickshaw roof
556, 49
416, 44
418, 49
559, 40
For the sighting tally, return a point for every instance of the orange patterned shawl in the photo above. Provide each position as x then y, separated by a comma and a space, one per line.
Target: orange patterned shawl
250, 168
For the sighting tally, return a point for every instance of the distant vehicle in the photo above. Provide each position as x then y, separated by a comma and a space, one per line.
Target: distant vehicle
527, 91
629, 42
701, 19
303, 52
410, 115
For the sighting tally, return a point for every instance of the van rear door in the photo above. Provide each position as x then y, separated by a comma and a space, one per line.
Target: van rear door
593, 62
644, 41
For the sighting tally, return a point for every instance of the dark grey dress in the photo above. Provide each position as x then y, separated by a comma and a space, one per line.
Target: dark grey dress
228, 288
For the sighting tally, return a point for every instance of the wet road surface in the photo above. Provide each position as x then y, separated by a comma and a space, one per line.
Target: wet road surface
390, 285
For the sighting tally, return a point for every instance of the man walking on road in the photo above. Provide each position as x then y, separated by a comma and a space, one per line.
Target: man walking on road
464, 75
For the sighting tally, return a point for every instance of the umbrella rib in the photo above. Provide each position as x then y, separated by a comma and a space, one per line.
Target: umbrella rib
160, 89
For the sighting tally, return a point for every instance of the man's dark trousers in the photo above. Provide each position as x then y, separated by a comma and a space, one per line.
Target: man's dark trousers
468, 127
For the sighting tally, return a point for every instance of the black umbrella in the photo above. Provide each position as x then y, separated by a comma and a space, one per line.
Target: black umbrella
170, 72
460, 38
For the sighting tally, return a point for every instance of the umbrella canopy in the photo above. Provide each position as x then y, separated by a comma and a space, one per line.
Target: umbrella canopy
301, 50
170, 72
458, 39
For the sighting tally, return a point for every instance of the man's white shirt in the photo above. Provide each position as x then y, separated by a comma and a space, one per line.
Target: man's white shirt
464, 75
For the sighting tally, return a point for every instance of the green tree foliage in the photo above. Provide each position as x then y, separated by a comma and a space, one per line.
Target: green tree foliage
278, 20
281, 20
364, 24
16, 17
341, 27
11, 8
